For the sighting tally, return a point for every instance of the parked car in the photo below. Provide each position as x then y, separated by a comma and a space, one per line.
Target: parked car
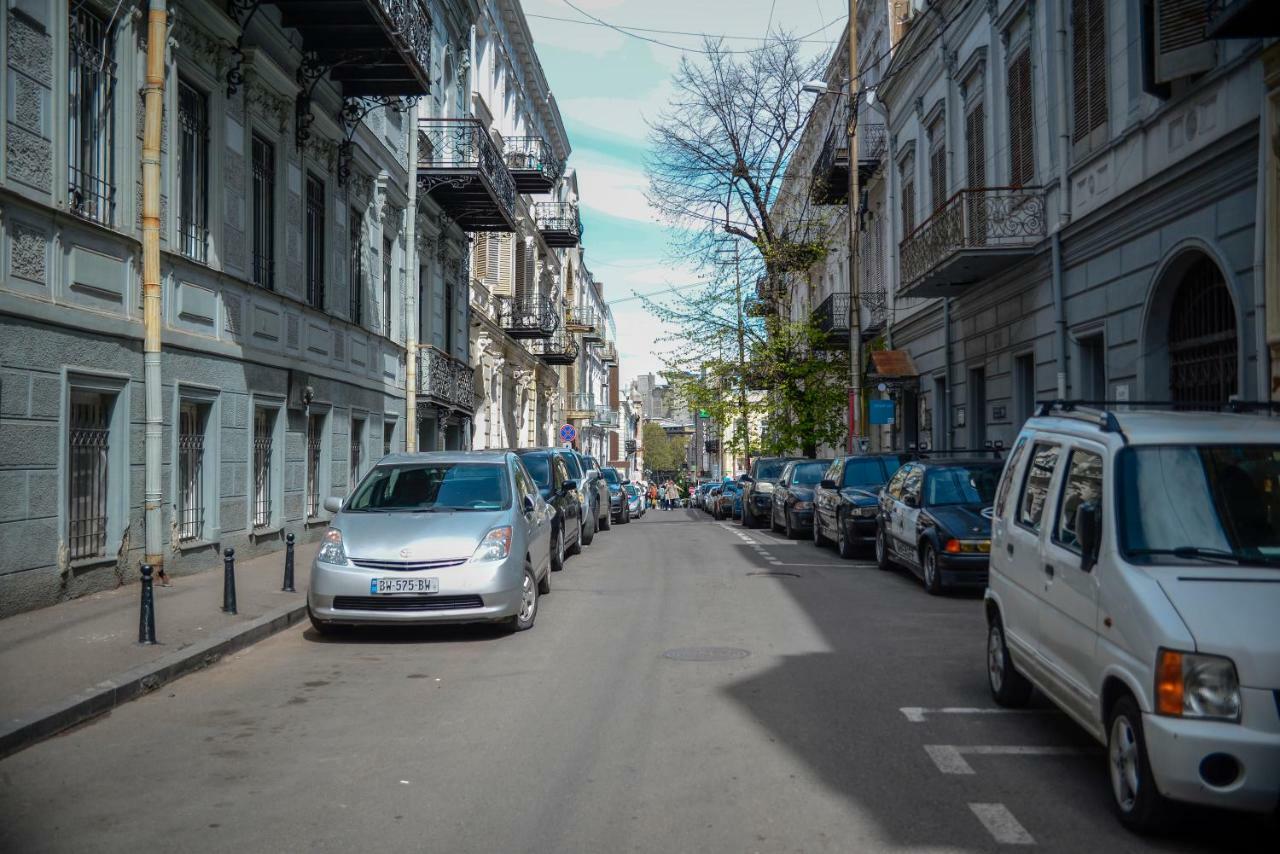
792, 509
727, 503
588, 491
701, 495
635, 500
560, 490
1135, 581
757, 489
594, 476
619, 511
935, 519
846, 502
712, 499
441, 537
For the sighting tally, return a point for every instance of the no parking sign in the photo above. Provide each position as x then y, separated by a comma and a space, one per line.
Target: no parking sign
568, 434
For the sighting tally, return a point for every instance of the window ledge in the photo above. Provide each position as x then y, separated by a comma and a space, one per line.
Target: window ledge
195, 545
268, 531
91, 562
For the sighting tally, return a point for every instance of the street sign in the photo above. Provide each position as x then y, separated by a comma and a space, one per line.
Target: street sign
880, 411
568, 434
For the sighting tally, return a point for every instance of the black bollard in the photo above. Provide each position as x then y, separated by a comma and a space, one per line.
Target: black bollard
147, 615
288, 564
229, 581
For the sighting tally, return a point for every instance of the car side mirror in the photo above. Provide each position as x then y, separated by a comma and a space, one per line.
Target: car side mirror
911, 500
529, 505
333, 504
827, 484
569, 486
1088, 533
746, 478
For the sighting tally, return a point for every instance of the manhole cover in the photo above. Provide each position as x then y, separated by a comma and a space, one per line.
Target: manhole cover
776, 574
705, 653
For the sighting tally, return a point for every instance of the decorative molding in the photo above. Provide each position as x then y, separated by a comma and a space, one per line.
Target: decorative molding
193, 39
262, 100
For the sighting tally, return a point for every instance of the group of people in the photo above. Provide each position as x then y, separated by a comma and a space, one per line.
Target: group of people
665, 495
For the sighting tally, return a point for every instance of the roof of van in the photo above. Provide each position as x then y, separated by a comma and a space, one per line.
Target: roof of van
1165, 427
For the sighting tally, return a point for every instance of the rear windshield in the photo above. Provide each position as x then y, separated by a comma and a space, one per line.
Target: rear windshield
575, 470
610, 475
867, 471
961, 485
539, 465
431, 486
769, 469
807, 474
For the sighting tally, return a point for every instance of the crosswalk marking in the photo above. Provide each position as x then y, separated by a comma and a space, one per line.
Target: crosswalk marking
1001, 824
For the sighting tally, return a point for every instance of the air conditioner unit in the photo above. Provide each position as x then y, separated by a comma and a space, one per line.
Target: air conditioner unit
301, 392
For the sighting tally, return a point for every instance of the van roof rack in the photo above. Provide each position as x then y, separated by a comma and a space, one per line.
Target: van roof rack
1100, 412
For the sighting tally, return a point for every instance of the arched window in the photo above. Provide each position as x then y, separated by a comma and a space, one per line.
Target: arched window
1203, 351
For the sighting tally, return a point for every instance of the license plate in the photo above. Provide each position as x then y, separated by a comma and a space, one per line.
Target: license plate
404, 585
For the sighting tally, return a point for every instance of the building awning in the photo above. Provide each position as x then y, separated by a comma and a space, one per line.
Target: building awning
893, 364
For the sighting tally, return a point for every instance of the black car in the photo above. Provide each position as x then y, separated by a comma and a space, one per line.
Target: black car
757, 489
560, 490
589, 489
846, 503
792, 510
593, 476
935, 519
619, 508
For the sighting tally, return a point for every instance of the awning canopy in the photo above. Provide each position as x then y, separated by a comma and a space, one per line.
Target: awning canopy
893, 364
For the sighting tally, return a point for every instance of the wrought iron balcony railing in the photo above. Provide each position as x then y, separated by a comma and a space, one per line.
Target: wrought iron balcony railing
580, 318
1241, 19
460, 167
830, 184
832, 319
529, 316
532, 163
605, 416
444, 380
580, 405
975, 234
560, 349
559, 223
606, 352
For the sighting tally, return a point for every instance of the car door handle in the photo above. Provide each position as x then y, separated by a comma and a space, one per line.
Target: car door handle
1048, 570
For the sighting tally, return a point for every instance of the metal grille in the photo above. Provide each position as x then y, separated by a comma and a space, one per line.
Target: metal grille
315, 425
193, 171
357, 440
386, 287
263, 424
264, 213
406, 603
1202, 339
357, 269
315, 242
388, 436
91, 116
88, 439
191, 421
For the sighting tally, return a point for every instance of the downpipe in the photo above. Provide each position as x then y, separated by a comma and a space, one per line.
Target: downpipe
153, 114
411, 296
1064, 202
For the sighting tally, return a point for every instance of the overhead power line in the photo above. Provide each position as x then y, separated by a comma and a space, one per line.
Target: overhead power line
802, 40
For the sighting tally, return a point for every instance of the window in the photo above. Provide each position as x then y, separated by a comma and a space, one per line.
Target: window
386, 286
315, 242
1088, 72
91, 115
977, 407
315, 447
975, 142
193, 418
1022, 156
89, 437
357, 269
938, 163
357, 450
1044, 458
1006, 484
448, 314
264, 213
264, 425
193, 171
1024, 386
388, 436
1092, 351
1083, 483
939, 413
908, 198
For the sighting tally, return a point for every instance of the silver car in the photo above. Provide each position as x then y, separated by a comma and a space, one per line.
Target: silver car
444, 537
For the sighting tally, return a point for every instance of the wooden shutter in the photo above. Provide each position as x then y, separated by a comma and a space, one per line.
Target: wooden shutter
505, 249
1022, 161
483, 260
975, 137
1181, 48
908, 202
937, 166
530, 271
1088, 67
522, 282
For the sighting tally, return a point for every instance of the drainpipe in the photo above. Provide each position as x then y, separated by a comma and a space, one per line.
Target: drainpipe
944, 405
411, 296
1064, 202
153, 105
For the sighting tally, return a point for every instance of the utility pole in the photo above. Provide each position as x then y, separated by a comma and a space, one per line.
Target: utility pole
856, 427
742, 356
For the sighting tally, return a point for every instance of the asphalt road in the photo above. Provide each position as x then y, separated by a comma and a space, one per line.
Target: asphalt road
581, 736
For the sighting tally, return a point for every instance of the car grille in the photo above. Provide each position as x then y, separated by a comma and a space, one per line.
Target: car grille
406, 565
406, 603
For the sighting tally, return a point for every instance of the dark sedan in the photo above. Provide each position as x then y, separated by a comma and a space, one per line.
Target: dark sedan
559, 489
846, 503
757, 489
792, 510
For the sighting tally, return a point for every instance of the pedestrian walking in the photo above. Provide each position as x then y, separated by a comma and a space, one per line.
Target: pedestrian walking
673, 494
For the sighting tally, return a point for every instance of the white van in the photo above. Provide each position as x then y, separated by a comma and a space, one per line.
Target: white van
1135, 580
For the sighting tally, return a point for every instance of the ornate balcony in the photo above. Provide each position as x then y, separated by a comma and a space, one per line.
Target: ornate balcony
444, 380
1241, 19
832, 319
560, 349
529, 317
976, 234
606, 352
580, 405
582, 320
460, 168
830, 184
605, 417
533, 165
559, 223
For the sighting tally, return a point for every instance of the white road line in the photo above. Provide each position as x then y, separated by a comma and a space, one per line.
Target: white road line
916, 714
1001, 824
950, 757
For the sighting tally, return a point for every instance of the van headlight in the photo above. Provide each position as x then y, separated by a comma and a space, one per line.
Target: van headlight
495, 546
764, 487
331, 549
1191, 685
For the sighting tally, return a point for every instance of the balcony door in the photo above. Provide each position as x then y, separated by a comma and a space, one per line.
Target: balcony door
976, 174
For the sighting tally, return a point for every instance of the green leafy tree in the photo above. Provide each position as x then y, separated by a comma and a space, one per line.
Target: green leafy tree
661, 451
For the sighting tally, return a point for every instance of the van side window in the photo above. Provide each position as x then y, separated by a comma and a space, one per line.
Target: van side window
911, 486
1007, 483
895, 483
1044, 459
1082, 483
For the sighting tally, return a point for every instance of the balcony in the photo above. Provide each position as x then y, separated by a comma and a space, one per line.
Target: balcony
444, 380
830, 184
528, 317
580, 405
582, 320
460, 168
560, 349
976, 234
605, 417
533, 165
831, 317
558, 223
371, 47
606, 352
1241, 19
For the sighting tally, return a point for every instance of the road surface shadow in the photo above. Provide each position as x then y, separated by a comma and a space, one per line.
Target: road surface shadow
423, 634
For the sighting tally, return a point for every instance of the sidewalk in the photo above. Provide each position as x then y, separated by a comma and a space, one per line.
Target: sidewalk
75, 660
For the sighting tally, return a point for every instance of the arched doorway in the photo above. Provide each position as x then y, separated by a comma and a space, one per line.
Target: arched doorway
1203, 349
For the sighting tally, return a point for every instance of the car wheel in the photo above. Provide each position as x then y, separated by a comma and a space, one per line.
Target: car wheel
1138, 802
882, 549
843, 546
322, 627
787, 530
929, 566
527, 611
589, 534
557, 550
1009, 688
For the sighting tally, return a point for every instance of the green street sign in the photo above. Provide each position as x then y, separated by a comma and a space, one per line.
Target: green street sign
702, 413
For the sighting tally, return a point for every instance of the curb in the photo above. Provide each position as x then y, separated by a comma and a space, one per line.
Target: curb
20, 733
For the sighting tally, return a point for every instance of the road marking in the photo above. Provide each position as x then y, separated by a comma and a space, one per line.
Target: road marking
950, 757
916, 714
1001, 824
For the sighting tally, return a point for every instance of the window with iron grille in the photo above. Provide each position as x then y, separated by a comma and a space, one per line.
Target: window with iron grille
89, 436
315, 443
357, 269
449, 286
388, 436
192, 418
264, 213
937, 164
315, 242
357, 451
386, 287
1088, 71
91, 115
1022, 157
908, 198
193, 171
264, 423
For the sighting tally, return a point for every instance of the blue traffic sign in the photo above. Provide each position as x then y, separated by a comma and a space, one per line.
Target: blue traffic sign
567, 433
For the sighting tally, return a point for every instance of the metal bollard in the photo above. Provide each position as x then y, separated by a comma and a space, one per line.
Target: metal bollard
147, 613
288, 564
229, 581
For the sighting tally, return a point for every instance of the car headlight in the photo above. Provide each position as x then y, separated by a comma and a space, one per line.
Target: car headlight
764, 487
954, 546
1190, 685
495, 546
802, 505
331, 549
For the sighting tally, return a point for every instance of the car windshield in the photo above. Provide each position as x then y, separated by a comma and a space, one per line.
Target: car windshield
731, 487
431, 487
961, 485
870, 471
611, 475
809, 474
1200, 501
539, 465
632, 489
575, 470
770, 469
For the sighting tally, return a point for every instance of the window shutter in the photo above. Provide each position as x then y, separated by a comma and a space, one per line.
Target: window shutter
505, 249
1022, 167
522, 282
938, 175
976, 147
1180, 43
908, 205
530, 271
1088, 67
1097, 65
482, 259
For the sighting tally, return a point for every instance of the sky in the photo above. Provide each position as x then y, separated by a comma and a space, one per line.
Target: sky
607, 86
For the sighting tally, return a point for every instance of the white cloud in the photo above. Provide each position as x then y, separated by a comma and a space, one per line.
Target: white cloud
613, 190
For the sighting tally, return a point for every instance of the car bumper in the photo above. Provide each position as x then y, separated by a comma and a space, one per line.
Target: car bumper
861, 531
802, 519
479, 592
964, 570
1176, 748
